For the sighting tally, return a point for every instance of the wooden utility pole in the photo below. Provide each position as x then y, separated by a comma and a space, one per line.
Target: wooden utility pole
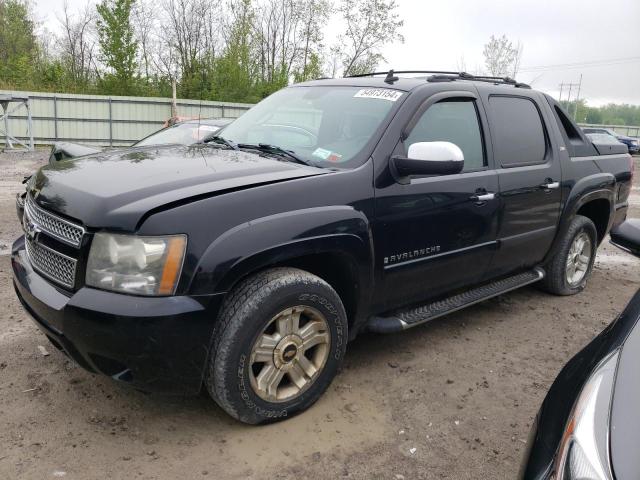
174, 100
575, 114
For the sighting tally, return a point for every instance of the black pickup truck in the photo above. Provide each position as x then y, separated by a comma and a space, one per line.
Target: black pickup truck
332, 207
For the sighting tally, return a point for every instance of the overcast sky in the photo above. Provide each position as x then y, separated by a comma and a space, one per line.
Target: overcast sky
603, 37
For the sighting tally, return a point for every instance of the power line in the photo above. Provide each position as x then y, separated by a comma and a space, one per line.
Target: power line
593, 63
568, 100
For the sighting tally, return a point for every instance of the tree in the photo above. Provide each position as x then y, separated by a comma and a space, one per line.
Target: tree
77, 46
234, 50
144, 23
118, 44
314, 15
311, 71
277, 28
188, 31
235, 75
501, 57
370, 25
18, 44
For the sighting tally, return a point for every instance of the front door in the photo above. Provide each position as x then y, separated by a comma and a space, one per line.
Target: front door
438, 233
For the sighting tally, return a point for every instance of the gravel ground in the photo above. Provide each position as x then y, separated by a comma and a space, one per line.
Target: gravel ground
453, 399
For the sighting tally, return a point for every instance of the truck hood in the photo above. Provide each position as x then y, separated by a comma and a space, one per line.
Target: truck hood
115, 189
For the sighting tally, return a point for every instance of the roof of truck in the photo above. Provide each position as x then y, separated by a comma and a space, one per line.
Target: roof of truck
393, 80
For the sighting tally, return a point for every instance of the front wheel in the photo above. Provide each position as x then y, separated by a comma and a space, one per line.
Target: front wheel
570, 268
278, 343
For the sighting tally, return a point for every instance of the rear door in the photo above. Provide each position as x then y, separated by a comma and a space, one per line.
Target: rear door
529, 177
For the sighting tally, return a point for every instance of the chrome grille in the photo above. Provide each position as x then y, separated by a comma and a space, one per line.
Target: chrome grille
52, 264
53, 225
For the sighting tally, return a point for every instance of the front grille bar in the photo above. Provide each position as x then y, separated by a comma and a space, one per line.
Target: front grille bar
53, 225
53, 265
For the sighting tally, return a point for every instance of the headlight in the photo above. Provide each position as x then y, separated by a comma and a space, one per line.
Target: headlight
584, 449
134, 264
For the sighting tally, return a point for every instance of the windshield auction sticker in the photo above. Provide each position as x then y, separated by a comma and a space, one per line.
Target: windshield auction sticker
379, 93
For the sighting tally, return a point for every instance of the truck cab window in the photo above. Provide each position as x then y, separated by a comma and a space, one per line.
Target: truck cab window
454, 121
517, 131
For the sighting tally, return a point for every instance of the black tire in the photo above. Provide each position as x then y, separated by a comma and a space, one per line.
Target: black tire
247, 311
556, 277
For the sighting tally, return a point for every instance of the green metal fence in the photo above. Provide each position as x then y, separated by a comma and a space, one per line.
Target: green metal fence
106, 121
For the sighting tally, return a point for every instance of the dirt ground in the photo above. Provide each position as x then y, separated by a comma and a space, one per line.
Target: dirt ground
453, 399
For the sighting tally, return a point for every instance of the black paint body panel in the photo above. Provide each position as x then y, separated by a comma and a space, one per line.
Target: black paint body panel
550, 423
243, 212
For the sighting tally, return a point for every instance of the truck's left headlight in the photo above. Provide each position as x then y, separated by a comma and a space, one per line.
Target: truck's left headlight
135, 264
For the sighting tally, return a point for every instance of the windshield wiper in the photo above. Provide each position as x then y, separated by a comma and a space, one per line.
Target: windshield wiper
275, 150
221, 140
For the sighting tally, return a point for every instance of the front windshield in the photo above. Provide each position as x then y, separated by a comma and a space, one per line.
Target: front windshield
182, 133
324, 126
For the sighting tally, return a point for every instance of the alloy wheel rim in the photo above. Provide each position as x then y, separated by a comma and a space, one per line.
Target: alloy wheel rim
578, 259
289, 354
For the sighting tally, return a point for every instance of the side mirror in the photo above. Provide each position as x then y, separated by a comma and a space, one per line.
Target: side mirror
627, 236
427, 158
65, 150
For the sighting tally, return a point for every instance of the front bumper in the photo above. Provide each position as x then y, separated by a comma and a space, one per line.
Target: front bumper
156, 344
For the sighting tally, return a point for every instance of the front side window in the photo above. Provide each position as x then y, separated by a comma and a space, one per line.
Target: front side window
517, 131
326, 126
454, 121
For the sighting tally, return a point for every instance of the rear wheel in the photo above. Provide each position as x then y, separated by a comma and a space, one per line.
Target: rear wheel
570, 268
279, 342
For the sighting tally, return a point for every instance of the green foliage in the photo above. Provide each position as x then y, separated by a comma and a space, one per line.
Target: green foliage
118, 46
18, 45
311, 71
235, 76
255, 48
371, 24
611, 114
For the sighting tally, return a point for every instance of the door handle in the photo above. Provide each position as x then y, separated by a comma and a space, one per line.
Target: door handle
481, 198
550, 185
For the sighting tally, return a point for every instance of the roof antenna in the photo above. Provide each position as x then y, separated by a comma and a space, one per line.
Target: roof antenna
391, 78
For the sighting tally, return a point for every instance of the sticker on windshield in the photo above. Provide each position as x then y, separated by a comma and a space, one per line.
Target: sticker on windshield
321, 153
379, 93
327, 155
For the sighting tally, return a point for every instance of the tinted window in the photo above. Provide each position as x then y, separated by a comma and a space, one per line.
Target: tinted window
517, 132
577, 145
455, 122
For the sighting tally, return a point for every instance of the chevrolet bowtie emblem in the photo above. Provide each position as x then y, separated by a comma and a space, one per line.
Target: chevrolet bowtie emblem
31, 230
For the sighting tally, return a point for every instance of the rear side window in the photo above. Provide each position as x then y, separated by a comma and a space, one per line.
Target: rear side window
517, 131
454, 121
576, 143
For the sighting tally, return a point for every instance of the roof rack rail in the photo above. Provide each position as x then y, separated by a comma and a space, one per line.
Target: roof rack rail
401, 72
444, 76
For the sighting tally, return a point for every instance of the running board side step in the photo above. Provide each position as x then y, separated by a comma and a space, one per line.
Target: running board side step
403, 319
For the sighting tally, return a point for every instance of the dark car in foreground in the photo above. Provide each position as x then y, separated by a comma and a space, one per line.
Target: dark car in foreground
632, 143
246, 263
588, 427
184, 133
